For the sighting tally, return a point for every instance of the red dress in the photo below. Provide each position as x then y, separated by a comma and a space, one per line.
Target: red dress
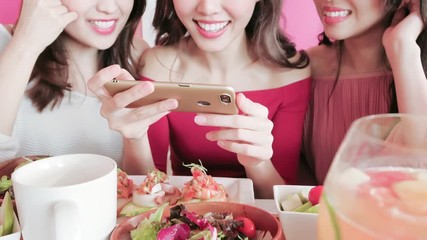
287, 106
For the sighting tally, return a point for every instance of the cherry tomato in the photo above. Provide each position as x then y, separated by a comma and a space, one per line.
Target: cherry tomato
314, 194
248, 227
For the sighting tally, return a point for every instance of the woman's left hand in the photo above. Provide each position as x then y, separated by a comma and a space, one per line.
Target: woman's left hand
248, 135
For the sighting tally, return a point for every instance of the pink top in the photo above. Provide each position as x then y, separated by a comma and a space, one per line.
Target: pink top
327, 123
287, 106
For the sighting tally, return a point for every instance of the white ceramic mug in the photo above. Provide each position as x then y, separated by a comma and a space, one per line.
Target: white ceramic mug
68, 197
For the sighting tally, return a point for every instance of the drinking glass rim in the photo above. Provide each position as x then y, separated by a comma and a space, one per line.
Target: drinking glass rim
359, 122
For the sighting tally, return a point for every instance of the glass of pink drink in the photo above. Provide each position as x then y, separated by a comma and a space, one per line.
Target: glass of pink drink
377, 185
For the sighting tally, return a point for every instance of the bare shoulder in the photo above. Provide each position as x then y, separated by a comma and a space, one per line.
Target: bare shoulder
267, 77
156, 62
323, 60
293, 75
139, 46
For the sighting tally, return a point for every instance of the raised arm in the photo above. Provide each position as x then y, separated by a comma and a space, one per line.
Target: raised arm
40, 23
404, 56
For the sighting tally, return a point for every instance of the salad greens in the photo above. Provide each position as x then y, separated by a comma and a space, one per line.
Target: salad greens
183, 225
7, 216
5, 184
149, 227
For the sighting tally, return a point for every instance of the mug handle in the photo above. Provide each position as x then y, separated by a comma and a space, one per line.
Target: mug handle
66, 217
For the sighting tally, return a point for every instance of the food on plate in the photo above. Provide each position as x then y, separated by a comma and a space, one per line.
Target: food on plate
183, 224
7, 168
202, 187
156, 190
297, 202
6, 216
124, 189
5, 186
314, 194
153, 192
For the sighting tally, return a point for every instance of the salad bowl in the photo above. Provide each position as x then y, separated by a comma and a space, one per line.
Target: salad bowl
265, 223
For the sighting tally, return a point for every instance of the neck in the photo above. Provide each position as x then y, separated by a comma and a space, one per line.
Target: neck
365, 53
223, 63
83, 64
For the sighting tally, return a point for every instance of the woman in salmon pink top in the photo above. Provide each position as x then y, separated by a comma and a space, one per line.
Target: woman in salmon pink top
236, 43
368, 63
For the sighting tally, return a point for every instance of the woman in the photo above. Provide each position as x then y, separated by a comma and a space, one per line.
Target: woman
237, 43
55, 48
368, 62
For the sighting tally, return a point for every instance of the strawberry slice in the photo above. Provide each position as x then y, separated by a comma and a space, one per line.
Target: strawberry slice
314, 194
388, 178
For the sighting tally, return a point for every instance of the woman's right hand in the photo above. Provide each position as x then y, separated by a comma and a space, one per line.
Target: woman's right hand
132, 123
41, 22
404, 29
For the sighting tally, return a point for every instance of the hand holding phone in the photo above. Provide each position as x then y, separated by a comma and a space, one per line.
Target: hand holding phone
191, 97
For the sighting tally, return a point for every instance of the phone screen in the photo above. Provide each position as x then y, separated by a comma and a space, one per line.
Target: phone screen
9, 11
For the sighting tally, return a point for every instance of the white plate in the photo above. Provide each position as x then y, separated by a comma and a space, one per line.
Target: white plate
239, 190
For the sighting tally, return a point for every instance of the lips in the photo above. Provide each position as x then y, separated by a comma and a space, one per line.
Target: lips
332, 15
212, 27
103, 26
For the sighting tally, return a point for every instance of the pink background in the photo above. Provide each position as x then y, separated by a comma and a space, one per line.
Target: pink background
300, 19
9, 10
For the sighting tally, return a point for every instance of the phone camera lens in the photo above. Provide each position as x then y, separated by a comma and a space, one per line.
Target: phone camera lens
225, 98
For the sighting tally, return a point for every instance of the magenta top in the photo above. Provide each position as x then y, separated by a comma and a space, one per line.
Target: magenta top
327, 123
287, 106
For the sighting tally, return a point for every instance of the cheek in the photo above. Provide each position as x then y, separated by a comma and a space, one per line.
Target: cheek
70, 5
127, 6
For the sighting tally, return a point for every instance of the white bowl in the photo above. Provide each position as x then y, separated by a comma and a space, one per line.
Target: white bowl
295, 225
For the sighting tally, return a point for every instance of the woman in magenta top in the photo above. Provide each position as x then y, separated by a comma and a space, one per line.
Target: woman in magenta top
237, 43
352, 76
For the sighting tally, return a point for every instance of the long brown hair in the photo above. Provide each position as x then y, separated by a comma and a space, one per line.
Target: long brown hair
51, 69
390, 7
267, 41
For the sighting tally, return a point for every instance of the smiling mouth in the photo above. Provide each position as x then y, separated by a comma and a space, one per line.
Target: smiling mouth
103, 24
343, 13
212, 27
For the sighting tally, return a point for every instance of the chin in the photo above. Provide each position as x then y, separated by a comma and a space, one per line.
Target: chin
103, 45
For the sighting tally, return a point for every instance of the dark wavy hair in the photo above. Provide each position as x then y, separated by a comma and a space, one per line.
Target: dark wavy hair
267, 41
390, 7
51, 68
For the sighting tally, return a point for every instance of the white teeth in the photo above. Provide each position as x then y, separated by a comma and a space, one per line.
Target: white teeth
343, 13
212, 27
103, 24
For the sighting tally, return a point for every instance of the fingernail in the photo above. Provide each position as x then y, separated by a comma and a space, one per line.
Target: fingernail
200, 120
209, 136
172, 104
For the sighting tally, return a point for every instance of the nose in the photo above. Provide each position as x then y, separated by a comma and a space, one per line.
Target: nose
107, 6
209, 6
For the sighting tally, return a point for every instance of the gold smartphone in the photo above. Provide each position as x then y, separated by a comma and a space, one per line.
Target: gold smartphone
191, 97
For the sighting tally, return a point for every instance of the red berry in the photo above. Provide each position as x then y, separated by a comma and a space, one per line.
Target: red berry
314, 194
248, 226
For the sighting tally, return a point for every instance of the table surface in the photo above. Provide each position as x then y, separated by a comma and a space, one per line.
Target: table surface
268, 205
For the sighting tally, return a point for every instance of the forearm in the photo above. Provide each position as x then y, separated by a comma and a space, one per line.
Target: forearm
16, 64
409, 77
137, 157
264, 177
